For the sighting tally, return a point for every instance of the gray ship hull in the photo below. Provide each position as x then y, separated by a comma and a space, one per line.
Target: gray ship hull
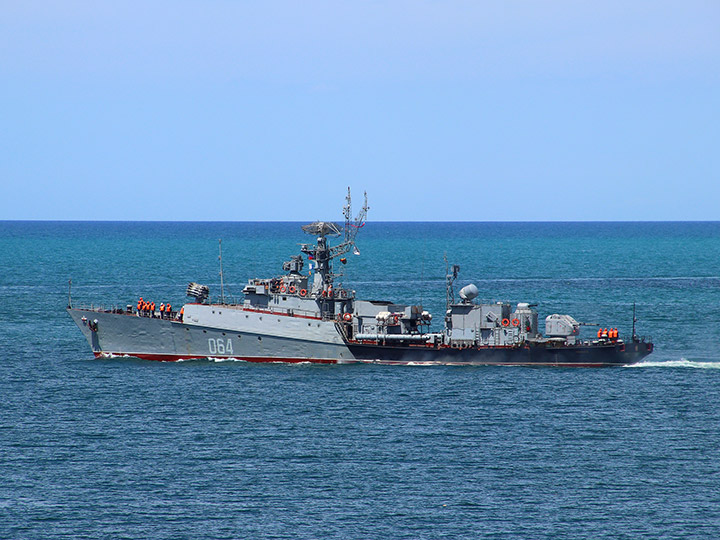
122, 334
170, 340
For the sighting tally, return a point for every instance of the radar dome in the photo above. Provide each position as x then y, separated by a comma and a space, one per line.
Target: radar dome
468, 292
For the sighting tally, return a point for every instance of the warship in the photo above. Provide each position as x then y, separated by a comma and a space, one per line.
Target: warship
312, 317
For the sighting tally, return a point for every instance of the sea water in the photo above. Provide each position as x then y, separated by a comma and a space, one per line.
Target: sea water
123, 448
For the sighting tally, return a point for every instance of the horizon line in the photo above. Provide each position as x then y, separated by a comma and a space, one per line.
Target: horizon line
374, 221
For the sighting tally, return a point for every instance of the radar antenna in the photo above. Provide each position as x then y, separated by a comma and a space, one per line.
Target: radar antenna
322, 253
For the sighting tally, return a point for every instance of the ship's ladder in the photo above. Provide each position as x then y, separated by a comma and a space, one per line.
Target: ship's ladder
342, 329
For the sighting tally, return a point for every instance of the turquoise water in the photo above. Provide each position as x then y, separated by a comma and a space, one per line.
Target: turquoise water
120, 448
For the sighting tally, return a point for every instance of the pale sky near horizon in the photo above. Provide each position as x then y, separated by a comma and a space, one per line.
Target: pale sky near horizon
471, 111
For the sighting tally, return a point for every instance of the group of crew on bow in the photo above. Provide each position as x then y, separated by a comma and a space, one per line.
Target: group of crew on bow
148, 309
607, 333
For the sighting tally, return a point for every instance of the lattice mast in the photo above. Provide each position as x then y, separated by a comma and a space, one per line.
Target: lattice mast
322, 253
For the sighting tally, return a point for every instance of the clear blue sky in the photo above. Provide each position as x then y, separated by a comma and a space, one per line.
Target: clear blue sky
477, 110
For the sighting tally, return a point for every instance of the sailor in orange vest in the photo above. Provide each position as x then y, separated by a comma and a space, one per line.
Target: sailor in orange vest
168, 310
182, 311
152, 309
162, 310
139, 305
599, 333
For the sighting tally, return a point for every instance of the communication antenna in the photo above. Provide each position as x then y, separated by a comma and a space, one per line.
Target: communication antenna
422, 272
69, 293
222, 284
449, 280
634, 336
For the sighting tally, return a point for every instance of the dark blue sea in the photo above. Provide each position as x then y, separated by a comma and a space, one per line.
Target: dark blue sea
130, 449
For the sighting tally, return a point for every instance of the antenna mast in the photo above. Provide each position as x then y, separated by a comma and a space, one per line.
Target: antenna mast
449, 280
69, 293
322, 253
222, 284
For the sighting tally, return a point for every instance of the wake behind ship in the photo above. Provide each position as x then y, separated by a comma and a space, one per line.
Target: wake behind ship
311, 317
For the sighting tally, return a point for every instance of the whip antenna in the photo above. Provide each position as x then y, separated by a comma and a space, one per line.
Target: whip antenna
222, 284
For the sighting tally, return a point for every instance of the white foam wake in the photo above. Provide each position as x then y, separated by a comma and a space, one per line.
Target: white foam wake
112, 355
682, 363
219, 360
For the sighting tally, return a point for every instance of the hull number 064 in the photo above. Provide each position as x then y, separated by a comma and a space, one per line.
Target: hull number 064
220, 346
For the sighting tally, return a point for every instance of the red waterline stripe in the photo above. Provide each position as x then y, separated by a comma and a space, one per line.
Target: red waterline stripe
176, 357
263, 359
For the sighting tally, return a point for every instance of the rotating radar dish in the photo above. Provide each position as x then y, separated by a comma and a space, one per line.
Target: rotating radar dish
323, 228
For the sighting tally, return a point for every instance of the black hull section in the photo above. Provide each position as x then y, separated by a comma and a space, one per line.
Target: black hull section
601, 355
